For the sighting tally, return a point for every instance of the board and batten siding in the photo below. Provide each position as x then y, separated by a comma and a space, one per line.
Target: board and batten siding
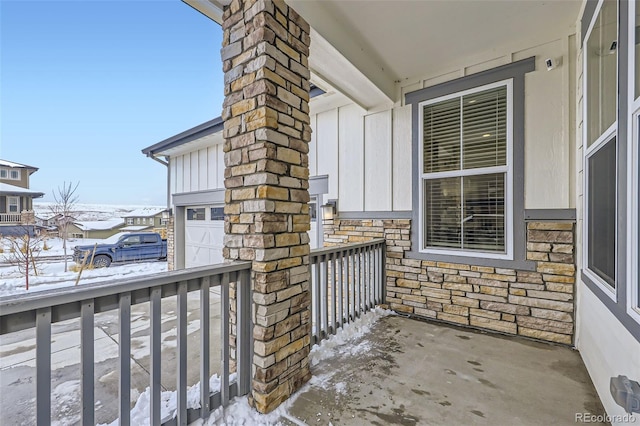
367, 154
358, 151
198, 170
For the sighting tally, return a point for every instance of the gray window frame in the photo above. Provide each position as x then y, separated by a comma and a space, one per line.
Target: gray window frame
617, 304
515, 72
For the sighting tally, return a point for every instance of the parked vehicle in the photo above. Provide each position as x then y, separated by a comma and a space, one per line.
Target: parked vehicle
129, 248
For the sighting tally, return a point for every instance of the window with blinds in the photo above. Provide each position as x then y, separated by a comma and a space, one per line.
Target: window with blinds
465, 170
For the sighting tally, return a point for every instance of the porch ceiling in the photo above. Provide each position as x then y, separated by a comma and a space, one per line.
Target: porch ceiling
389, 41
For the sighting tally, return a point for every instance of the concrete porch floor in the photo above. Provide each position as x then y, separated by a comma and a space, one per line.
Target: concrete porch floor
409, 372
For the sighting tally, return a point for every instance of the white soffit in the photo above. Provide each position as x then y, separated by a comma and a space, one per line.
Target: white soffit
201, 143
389, 41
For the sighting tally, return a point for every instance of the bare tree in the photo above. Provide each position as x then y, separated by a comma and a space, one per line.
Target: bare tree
24, 252
65, 201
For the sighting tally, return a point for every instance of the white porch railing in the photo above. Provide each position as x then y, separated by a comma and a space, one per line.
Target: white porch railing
10, 218
40, 310
346, 281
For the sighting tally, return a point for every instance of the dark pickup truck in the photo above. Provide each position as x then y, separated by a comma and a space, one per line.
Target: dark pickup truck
129, 248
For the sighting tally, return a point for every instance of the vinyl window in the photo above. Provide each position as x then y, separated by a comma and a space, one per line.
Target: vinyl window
466, 171
601, 58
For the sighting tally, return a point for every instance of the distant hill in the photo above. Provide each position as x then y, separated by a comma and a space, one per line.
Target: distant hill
92, 212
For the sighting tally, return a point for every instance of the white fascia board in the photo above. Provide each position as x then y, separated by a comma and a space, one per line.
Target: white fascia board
209, 8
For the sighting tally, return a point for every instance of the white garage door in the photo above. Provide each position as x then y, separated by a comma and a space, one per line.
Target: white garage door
204, 235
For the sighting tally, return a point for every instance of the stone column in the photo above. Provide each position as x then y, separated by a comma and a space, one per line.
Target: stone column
266, 130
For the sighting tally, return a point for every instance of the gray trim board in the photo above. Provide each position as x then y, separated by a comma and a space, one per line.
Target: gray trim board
213, 196
629, 323
515, 72
319, 185
550, 214
401, 214
619, 307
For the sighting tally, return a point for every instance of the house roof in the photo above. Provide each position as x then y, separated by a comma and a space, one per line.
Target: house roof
135, 228
6, 163
207, 128
145, 212
200, 131
99, 225
7, 189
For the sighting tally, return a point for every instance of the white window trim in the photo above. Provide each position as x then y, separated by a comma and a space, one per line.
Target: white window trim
16, 171
16, 203
612, 293
508, 201
633, 176
6, 171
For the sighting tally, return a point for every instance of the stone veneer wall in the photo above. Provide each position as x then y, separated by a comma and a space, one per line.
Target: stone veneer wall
537, 304
171, 243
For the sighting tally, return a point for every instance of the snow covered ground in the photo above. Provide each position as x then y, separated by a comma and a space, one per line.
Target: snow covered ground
84, 212
51, 274
239, 413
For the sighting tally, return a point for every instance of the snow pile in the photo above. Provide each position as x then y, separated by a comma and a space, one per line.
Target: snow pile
347, 334
238, 412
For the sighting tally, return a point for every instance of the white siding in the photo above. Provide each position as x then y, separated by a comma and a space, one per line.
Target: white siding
606, 347
200, 170
327, 145
547, 143
313, 148
377, 160
351, 159
220, 168
212, 159
401, 190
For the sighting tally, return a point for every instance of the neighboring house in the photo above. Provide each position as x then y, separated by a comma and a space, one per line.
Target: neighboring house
16, 199
493, 144
144, 219
99, 229
196, 174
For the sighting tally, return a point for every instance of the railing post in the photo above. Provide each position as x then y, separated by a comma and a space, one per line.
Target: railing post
383, 273
87, 355
224, 332
124, 358
182, 354
244, 339
156, 354
205, 325
43, 367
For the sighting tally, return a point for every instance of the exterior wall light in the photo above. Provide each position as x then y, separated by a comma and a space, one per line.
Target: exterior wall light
329, 210
166, 214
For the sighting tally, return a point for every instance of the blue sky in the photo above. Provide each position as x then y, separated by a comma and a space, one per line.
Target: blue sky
85, 85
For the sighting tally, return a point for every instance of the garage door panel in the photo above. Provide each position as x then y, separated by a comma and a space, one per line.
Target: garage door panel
204, 240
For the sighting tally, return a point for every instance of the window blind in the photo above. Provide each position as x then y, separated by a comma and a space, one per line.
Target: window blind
461, 134
484, 123
442, 136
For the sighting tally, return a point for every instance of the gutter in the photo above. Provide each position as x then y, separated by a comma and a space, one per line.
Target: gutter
166, 164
